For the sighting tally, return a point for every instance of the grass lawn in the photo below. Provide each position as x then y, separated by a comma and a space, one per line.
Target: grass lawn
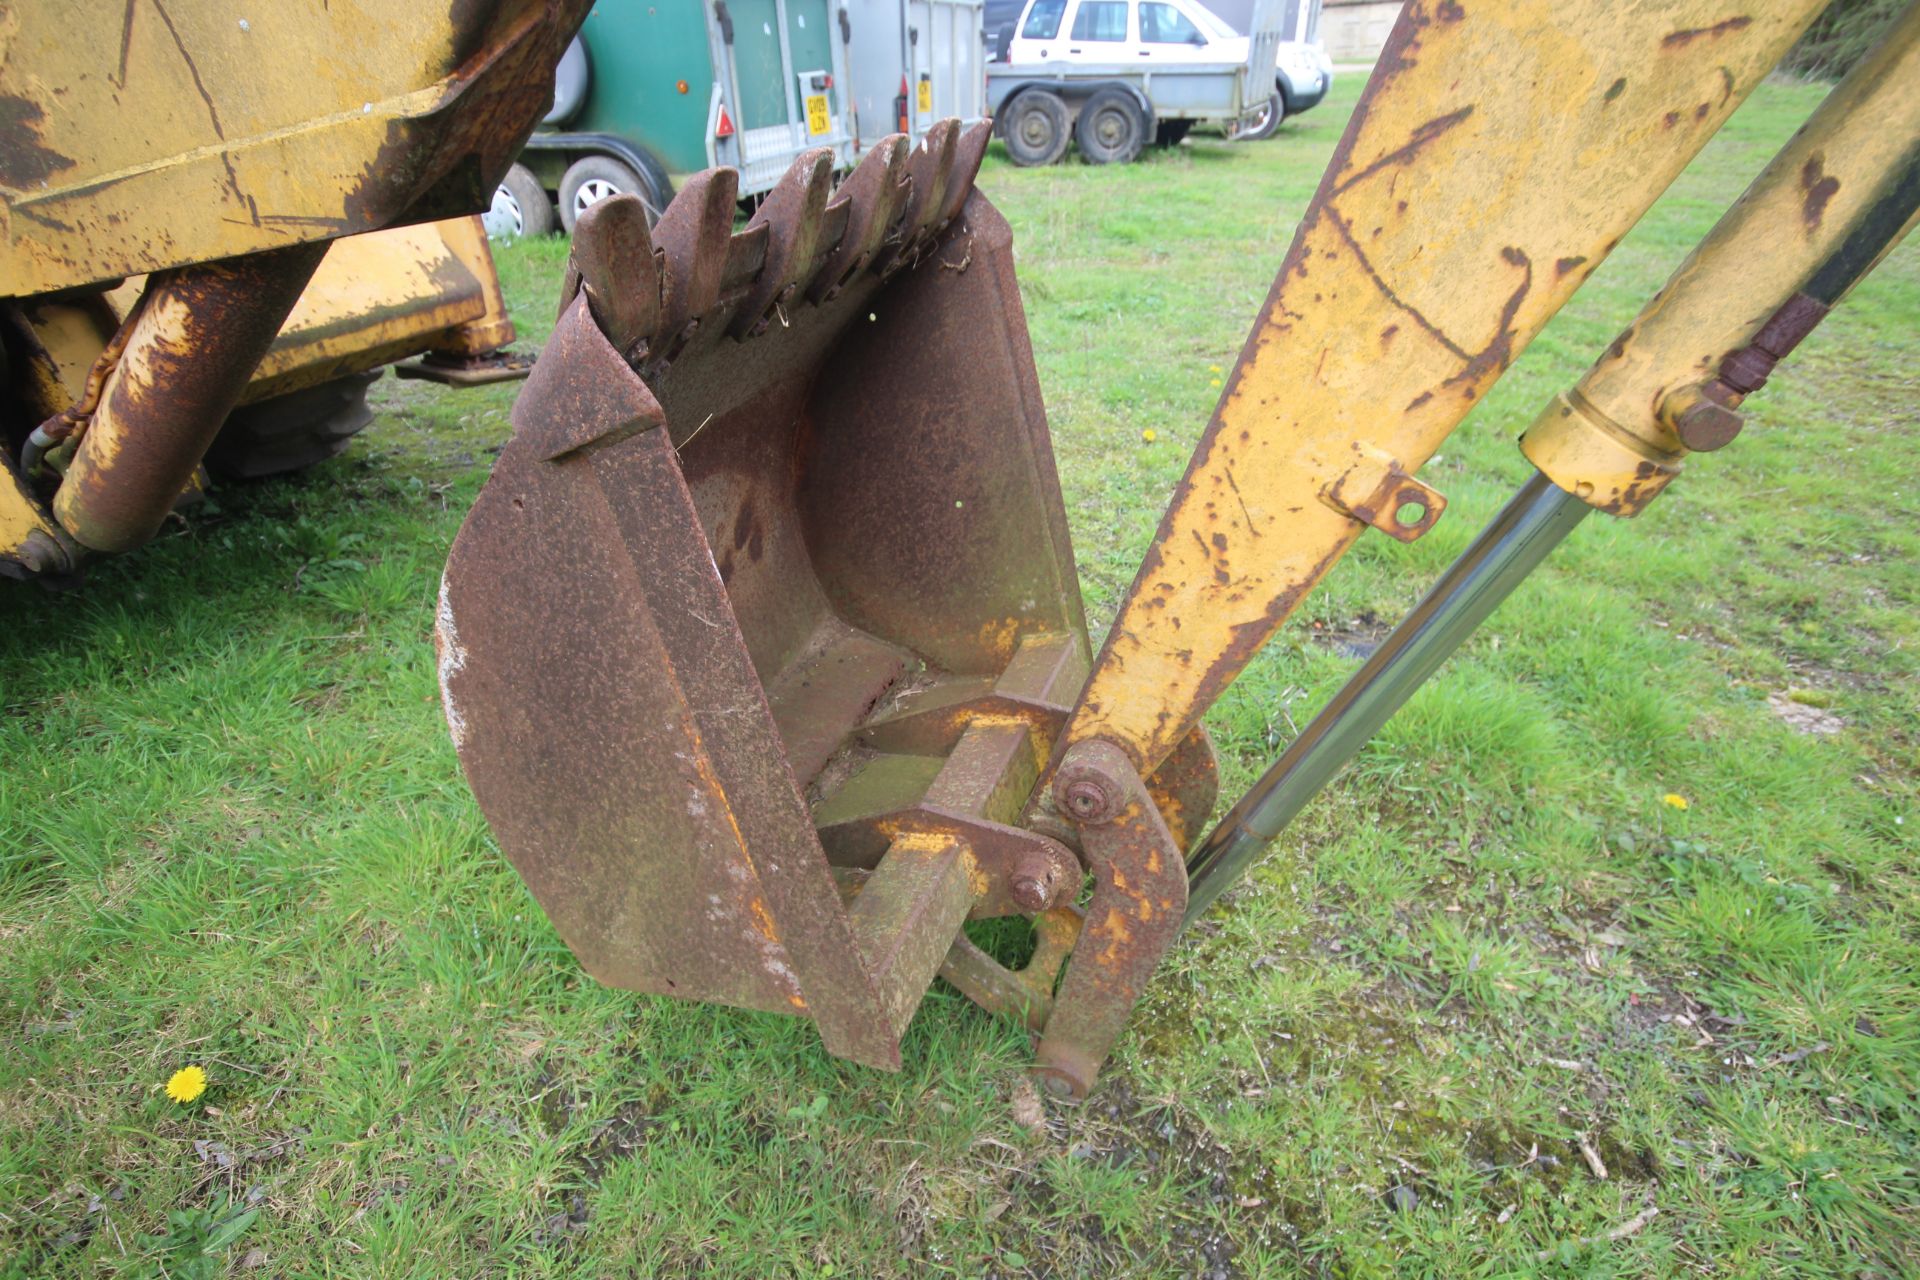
232, 832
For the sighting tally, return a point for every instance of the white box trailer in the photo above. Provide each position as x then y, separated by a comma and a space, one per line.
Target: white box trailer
914, 62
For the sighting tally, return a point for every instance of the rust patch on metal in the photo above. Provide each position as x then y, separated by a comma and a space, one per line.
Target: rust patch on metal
1746, 370
1186, 786
1422, 135
24, 161
1817, 187
1681, 39
446, 163
200, 335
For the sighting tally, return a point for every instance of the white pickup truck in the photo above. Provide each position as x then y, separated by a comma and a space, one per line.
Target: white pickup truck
1114, 75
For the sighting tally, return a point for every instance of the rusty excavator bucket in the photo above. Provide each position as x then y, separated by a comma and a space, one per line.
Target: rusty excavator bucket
762, 633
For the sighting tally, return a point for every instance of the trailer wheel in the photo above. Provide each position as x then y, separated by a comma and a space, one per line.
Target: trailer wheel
591, 179
1265, 123
1111, 128
1171, 133
293, 431
520, 207
1035, 127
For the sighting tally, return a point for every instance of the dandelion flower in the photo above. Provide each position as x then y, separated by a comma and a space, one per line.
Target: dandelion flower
1214, 382
1213, 368
186, 1084
1148, 435
1674, 801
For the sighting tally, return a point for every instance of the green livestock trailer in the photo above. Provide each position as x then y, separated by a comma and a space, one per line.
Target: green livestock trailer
654, 91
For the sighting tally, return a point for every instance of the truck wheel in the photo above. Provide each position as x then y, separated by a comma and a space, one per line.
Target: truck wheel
1265, 123
1111, 128
591, 179
1170, 133
1035, 128
520, 207
293, 431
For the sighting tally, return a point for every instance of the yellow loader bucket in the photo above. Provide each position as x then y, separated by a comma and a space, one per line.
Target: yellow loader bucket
759, 638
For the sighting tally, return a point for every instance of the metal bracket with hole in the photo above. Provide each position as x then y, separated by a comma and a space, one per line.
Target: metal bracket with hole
1389, 499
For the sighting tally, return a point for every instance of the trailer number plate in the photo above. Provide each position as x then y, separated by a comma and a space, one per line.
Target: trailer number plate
817, 119
926, 96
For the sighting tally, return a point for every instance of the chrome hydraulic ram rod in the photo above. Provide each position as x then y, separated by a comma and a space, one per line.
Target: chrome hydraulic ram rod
1531, 524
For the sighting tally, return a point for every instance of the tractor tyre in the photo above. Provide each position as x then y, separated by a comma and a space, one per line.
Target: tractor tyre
293, 431
1111, 128
1035, 128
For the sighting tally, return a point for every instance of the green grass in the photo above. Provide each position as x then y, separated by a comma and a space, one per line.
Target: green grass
232, 832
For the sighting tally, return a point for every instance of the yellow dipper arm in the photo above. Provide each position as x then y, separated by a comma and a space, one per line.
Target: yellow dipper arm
1498, 154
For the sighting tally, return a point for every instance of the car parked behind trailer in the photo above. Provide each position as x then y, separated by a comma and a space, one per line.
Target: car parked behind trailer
1114, 75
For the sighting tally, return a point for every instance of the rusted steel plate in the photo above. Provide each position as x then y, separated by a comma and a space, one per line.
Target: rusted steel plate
611, 725
834, 680
1186, 786
956, 544
1139, 897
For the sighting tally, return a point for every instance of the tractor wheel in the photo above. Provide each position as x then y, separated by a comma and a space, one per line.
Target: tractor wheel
520, 207
1035, 128
1111, 128
1265, 123
592, 179
293, 431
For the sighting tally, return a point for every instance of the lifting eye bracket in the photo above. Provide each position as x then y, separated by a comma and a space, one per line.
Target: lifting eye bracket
1377, 490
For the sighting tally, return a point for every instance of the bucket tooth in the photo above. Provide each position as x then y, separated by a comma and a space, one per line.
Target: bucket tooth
792, 214
875, 193
618, 270
927, 172
692, 239
968, 151
746, 255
